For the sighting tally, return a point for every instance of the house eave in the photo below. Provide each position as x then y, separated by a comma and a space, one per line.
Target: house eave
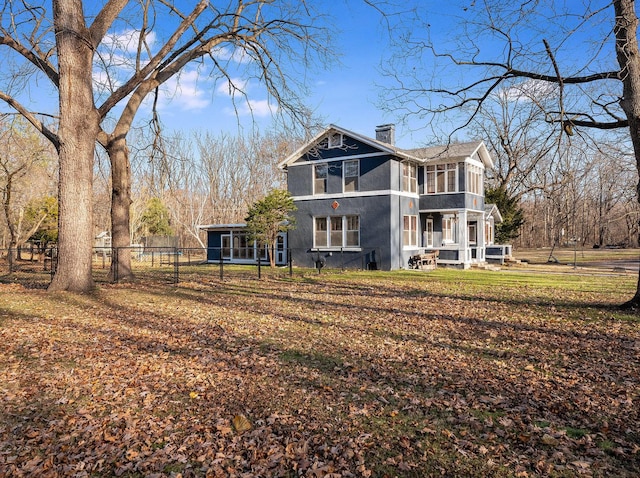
383, 147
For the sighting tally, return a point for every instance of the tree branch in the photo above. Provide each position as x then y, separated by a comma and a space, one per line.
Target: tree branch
29, 116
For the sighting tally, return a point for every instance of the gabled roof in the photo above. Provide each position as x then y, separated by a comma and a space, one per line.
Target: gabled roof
492, 210
420, 155
455, 151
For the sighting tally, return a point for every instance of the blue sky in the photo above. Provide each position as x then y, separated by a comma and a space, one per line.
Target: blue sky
345, 94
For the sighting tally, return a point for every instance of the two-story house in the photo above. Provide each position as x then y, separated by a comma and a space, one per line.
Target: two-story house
365, 202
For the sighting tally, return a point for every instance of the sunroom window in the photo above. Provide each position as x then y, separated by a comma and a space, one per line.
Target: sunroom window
474, 179
441, 178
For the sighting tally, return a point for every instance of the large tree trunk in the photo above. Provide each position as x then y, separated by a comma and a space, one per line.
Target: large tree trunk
120, 204
626, 27
77, 132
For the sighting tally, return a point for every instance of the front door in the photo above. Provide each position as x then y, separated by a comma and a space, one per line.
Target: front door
280, 250
428, 233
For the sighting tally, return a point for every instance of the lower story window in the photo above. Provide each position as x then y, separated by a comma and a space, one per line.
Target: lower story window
449, 229
410, 231
337, 231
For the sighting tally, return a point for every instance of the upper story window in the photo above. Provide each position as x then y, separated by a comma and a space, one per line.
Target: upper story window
441, 178
335, 140
474, 179
410, 177
351, 173
320, 174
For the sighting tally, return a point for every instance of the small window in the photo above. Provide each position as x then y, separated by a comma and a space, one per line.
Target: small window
320, 173
353, 231
449, 233
321, 232
336, 231
410, 231
409, 177
351, 175
335, 140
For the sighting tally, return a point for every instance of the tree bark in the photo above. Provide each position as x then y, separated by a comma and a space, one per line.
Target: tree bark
78, 128
625, 29
120, 209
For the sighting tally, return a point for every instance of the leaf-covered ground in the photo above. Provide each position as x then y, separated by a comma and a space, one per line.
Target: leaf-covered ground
451, 373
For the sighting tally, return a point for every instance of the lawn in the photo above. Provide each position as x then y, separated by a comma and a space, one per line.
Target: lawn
446, 373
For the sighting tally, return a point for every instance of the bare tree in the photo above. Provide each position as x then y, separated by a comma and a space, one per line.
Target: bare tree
273, 41
25, 175
565, 46
522, 146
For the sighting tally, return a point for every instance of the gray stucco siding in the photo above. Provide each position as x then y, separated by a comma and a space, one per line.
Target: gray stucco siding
442, 201
474, 202
374, 176
350, 147
375, 228
375, 173
300, 180
451, 201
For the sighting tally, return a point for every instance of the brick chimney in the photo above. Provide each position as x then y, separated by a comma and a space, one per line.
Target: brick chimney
386, 133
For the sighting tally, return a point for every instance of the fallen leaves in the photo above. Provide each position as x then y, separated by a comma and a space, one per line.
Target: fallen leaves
313, 378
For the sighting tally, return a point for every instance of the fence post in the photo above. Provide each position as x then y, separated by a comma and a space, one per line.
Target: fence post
290, 262
114, 263
259, 265
176, 266
221, 266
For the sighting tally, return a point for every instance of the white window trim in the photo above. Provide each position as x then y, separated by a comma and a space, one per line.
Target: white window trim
344, 174
326, 179
332, 247
331, 144
454, 229
456, 183
414, 180
415, 231
479, 167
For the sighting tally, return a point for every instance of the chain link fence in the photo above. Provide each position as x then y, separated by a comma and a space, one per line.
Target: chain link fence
34, 267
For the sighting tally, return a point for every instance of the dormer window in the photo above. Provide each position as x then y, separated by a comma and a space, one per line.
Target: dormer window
335, 140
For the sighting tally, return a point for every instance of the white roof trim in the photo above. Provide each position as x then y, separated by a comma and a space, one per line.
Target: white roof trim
222, 226
384, 147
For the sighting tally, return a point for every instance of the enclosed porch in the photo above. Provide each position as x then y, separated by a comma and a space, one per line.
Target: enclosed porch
459, 236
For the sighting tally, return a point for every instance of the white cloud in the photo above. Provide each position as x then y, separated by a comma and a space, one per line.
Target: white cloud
189, 90
127, 41
528, 90
237, 55
253, 108
233, 87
